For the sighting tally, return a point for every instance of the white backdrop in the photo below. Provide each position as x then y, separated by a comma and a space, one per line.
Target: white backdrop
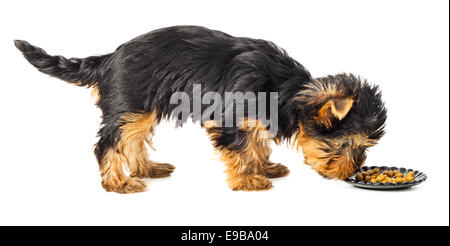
49, 175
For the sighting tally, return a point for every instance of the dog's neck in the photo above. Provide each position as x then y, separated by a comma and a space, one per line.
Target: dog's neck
289, 111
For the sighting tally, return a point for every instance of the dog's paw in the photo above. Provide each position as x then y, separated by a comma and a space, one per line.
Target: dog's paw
129, 185
250, 183
275, 170
133, 185
160, 170
154, 170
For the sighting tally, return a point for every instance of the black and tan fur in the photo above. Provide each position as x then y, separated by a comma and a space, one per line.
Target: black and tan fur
334, 119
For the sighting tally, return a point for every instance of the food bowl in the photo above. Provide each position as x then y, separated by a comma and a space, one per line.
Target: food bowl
419, 177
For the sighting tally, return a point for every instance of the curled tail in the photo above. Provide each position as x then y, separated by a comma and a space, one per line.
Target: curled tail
82, 72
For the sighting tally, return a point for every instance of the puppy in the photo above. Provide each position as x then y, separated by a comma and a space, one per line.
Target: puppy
334, 119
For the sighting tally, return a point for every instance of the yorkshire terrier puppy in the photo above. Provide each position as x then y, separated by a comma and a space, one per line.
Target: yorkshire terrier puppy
334, 119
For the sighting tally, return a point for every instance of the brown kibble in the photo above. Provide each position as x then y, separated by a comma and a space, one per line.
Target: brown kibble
359, 177
380, 177
386, 176
398, 180
399, 175
410, 174
409, 178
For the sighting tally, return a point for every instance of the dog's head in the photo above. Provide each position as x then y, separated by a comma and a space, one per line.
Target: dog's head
341, 117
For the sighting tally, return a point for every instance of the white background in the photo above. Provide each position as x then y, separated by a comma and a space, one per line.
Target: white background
49, 175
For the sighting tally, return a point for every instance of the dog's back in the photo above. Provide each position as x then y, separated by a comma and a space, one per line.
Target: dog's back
142, 74
156, 65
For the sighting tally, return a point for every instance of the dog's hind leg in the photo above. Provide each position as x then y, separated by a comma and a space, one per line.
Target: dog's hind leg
138, 129
245, 151
123, 143
111, 155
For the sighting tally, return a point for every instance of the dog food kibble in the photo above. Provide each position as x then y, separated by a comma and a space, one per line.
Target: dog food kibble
359, 176
399, 175
409, 176
385, 177
380, 177
390, 174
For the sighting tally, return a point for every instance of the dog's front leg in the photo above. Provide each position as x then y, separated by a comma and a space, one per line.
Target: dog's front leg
245, 152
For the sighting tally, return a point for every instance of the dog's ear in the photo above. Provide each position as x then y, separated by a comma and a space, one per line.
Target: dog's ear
329, 99
333, 108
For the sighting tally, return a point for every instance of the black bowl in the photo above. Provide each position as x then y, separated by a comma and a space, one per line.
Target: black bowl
419, 177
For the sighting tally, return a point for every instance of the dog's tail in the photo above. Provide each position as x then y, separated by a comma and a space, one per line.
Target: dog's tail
82, 72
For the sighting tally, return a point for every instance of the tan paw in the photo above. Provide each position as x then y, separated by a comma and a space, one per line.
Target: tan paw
129, 185
250, 183
275, 170
133, 185
161, 170
154, 170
